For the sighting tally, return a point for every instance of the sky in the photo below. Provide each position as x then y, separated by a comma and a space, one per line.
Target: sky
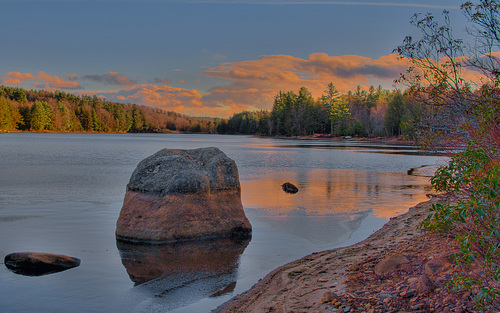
205, 57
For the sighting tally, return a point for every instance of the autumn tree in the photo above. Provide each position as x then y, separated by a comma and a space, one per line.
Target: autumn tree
9, 115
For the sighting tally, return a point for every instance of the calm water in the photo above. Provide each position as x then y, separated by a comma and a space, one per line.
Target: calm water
62, 193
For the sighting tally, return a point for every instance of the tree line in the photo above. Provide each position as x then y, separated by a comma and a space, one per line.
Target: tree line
374, 112
363, 113
40, 110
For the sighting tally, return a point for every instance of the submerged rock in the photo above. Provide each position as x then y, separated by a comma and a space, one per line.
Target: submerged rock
177, 195
38, 264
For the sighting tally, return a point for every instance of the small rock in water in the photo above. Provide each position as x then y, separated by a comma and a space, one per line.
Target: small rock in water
38, 264
289, 188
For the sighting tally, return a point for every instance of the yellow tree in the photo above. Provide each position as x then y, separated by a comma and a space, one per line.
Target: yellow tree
339, 114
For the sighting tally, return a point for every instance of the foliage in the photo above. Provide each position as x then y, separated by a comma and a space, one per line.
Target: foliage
475, 176
40, 110
394, 115
9, 115
359, 113
468, 122
40, 116
436, 74
329, 101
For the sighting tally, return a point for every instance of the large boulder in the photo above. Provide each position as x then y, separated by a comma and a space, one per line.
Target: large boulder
37, 264
177, 195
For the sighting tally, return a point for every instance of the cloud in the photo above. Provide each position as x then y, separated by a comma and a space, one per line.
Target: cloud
48, 82
164, 81
253, 84
111, 78
15, 78
41, 80
187, 101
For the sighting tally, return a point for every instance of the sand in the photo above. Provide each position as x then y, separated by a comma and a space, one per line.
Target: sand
399, 268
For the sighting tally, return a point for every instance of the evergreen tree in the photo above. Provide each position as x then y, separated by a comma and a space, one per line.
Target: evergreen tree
394, 115
9, 115
41, 116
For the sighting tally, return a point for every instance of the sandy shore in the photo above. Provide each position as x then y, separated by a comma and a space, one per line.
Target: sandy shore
399, 268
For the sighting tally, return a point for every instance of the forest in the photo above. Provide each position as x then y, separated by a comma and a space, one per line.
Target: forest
374, 112
40, 110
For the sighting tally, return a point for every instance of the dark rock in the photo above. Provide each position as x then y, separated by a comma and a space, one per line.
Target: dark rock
38, 264
177, 195
289, 188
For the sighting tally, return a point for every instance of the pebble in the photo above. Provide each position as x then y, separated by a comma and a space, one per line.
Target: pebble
383, 296
417, 306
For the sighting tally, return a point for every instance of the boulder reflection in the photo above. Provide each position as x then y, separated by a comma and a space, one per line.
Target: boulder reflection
207, 267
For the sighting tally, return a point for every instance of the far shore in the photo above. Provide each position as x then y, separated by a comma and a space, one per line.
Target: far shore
385, 140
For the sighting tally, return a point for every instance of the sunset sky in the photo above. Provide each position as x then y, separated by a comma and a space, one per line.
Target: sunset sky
205, 57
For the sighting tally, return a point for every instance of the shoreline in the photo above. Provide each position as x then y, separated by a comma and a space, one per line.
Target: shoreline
400, 267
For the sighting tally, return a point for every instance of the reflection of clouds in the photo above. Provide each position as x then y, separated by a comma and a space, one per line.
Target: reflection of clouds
335, 191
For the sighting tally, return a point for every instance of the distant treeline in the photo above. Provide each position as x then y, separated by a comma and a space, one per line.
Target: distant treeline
363, 113
40, 110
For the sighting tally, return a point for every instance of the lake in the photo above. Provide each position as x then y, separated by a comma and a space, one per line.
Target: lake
62, 193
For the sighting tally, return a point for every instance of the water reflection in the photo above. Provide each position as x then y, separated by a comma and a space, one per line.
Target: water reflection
331, 204
195, 270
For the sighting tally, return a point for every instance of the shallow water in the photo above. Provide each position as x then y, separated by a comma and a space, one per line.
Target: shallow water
62, 193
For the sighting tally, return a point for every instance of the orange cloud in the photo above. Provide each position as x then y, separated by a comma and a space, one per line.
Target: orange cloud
48, 82
253, 84
15, 78
169, 98
42, 80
